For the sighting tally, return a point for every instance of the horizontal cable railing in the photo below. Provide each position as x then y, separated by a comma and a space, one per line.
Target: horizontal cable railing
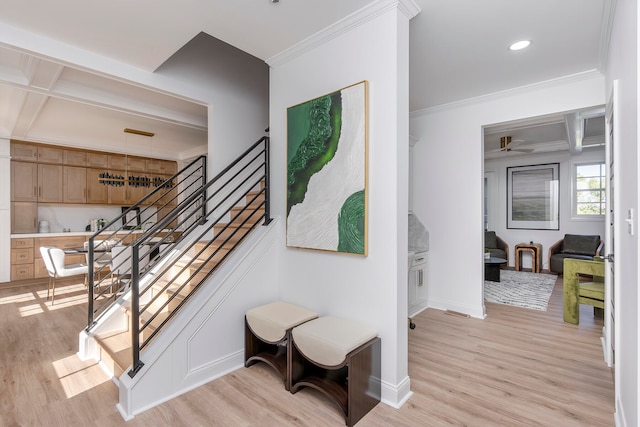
210, 222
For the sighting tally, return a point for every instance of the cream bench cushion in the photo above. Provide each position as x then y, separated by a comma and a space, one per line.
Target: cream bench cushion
328, 340
270, 322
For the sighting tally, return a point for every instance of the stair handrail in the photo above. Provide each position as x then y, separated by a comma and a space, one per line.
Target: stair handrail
117, 231
195, 214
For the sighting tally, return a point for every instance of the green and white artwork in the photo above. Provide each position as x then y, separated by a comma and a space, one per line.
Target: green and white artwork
327, 172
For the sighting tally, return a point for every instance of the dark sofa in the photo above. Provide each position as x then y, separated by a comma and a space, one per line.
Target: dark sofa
573, 246
497, 247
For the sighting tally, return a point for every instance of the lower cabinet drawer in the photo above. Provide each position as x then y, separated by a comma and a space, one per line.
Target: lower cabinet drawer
22, 272
22, 256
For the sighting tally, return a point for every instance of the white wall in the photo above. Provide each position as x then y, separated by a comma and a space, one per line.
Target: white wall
623, 67
372, 289
448, 179
568, 223
5, 212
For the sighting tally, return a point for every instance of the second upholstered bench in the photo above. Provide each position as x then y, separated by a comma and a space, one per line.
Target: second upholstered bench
341, 359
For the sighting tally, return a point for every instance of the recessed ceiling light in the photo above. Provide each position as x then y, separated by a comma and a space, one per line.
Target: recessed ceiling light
520, 45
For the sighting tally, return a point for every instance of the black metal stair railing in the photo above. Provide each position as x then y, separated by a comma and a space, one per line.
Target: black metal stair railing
104, 286
211, 221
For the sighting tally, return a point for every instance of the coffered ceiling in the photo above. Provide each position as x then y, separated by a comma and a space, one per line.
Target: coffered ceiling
458, 50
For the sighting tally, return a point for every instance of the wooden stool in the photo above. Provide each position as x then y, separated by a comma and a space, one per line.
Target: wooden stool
267, 335
535, 249
340, 359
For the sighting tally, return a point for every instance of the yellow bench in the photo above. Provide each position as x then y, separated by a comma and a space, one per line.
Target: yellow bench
576, 292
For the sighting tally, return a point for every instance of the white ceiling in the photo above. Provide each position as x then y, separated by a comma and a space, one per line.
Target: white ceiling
458, 51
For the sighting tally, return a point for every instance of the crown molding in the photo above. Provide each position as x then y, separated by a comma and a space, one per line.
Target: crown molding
358, 18
608, 14
560, 81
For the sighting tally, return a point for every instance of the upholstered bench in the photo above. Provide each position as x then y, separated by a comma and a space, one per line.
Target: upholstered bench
341, 359
267, 336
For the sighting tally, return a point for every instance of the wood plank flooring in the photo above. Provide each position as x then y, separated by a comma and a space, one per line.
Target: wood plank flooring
517, 367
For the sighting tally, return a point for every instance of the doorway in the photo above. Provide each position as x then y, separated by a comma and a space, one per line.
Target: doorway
570, 140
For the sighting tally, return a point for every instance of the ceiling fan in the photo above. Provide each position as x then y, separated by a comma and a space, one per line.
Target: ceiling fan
506, 145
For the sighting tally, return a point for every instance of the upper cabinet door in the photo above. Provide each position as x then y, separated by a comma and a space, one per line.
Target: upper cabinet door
48, 154
75, 184
74, 158
97, 160
136, 164
24, 151
24, 181
117, 162
97, 192
49, 183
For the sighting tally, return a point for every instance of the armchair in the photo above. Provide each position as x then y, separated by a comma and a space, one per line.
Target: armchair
576, 292
573, 246
497, 247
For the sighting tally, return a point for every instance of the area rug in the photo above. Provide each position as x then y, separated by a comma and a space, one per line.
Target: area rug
521, 289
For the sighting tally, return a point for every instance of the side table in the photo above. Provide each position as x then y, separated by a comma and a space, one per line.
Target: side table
535, 249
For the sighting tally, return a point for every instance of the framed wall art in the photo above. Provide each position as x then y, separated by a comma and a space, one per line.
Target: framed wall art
327, 172
533, 197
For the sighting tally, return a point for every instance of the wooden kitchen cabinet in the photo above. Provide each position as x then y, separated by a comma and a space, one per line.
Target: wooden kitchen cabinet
74, 184
97, 160
42, 173
136, 164
24, 217
24, 151
74, 157
50, 179
97, 192
22, 256
117, 194
24, 182
166, 167
117, 162
48, 154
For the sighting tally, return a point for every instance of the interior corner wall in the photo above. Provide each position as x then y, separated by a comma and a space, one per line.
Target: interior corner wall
622, 67
371, 289
5, 211
448, 183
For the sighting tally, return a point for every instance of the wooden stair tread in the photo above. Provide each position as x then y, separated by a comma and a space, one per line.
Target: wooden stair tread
118, 348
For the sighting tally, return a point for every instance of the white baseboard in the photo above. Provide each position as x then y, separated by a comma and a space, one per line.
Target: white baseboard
396, 395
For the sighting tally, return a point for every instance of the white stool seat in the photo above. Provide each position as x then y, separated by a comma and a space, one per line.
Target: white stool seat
328, 340
270, 322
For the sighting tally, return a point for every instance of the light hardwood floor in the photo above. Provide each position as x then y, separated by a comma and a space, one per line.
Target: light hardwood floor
517, 367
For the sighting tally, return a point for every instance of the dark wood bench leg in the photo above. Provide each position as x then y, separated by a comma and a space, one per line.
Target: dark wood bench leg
274, 354
354, 385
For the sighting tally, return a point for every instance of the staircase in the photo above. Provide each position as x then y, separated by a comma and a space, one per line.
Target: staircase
181, 282
211, 222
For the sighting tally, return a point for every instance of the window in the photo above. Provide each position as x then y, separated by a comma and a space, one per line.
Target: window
590, 196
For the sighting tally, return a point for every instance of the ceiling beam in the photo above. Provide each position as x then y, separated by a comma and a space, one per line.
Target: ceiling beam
573, 122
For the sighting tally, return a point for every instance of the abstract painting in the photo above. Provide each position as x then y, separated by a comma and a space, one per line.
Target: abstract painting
327, 172
532, 197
